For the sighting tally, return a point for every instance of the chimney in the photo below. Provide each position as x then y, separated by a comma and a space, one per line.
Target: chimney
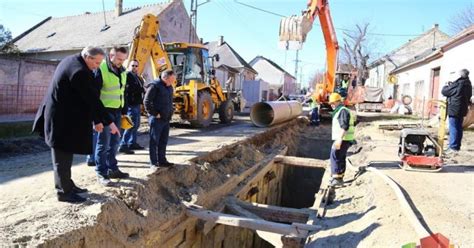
118, 8
221, 40
436, 26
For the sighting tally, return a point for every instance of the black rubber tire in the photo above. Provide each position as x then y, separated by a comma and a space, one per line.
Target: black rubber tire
226, 112
204, 98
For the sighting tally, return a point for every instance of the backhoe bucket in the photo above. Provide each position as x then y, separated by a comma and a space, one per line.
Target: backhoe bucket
294, 28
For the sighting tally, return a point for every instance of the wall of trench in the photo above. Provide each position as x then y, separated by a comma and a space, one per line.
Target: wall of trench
152, 214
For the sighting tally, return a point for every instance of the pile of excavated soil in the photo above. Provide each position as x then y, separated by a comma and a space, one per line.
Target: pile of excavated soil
135, 215
19, 146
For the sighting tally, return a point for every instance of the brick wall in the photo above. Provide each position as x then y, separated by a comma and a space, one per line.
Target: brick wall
23, 83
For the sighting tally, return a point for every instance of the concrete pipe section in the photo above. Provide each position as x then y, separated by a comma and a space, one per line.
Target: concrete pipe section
265, 114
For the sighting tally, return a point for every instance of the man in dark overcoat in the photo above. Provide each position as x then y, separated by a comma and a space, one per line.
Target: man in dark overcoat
69, 109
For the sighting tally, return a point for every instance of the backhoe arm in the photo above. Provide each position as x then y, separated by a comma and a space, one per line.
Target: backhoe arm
147, 46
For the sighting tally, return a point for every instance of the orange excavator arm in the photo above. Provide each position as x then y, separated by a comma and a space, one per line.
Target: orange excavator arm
320, 8
296, 29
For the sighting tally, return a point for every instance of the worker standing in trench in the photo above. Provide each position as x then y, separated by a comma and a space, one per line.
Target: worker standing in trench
343, 137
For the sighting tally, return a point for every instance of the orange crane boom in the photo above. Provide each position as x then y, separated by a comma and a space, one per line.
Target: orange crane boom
295, 29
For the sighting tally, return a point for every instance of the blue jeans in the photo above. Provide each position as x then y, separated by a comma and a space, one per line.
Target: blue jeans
130, 135
455, 132
91, 157
315, 117
338, 159
107, 146
159, 132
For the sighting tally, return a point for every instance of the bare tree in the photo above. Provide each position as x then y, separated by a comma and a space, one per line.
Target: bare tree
463, 19
355, 51
318, 77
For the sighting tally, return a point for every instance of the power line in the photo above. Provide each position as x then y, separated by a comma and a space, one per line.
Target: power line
256, 8
343, 29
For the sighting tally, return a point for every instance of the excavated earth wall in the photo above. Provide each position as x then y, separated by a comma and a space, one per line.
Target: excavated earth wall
150, 213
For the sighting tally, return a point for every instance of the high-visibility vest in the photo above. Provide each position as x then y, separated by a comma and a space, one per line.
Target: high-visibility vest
111, 94
345, 84
336, 128
314, 102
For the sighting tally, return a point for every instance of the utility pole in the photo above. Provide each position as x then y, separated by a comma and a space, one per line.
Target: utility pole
193, 19
296, 67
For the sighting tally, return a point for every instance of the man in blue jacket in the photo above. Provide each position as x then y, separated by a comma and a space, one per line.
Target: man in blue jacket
459, 95
159, 106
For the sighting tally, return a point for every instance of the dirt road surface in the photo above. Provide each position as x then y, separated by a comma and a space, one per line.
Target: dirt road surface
368, 214
29, 211
364, 214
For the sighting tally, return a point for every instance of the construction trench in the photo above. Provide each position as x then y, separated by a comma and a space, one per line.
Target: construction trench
259, 180
268, 188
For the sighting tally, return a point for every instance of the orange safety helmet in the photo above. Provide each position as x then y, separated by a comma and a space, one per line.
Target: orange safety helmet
335, 97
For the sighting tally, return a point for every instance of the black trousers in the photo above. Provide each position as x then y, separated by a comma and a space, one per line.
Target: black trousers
62, 162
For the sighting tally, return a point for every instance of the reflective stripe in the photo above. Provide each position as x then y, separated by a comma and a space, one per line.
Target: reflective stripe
111, 87
337, 130
110, 97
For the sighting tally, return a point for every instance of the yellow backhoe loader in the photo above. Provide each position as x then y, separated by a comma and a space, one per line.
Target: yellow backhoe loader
197, 93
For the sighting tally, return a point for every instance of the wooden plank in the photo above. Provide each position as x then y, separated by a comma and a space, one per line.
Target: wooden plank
300, 230
259, 176
236, 209
245, 179
273, 213
302, 162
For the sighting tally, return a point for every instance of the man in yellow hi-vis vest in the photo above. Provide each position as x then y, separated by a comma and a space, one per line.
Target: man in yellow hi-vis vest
112, 79
342, 135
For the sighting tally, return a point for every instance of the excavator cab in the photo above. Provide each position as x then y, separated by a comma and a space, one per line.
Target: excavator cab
189, 63
197, 93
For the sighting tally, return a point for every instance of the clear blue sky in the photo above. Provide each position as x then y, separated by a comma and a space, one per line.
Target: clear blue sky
251, 32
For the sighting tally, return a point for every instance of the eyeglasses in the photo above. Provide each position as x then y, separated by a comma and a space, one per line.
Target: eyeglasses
134, 65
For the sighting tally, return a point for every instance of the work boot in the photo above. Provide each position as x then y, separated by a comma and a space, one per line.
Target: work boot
336, 182
71, 197
136, 146
125, 150
104, 180
78, 190
118, 174
90, 163
165, 164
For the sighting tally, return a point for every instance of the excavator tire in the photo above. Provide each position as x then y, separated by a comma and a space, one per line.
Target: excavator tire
226, 112
205, 110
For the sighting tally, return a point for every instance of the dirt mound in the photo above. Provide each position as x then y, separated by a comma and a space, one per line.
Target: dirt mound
19, 146
139, 214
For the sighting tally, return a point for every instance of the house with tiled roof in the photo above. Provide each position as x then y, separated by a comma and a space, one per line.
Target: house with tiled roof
380, 68
57, 37
423, 76
280, 81
230, 64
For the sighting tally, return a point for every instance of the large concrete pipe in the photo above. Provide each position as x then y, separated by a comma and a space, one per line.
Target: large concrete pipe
264, 114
